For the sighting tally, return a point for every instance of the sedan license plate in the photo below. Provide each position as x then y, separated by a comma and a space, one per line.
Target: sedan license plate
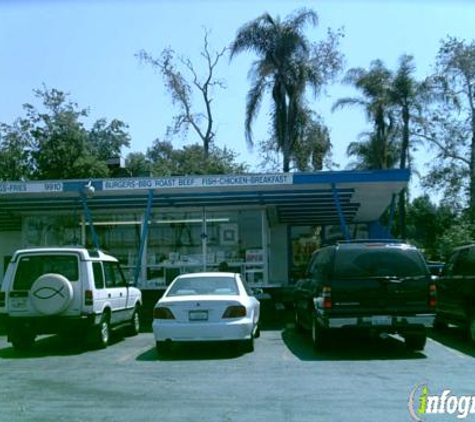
198, 315
381, 320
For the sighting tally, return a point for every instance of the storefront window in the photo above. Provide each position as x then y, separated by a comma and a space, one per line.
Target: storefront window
119, 235
177, 241
174, 243
51, 231
304, 240
235, 241
181, 242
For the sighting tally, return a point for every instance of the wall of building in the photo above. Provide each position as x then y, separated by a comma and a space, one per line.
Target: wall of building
278, 255
9, 243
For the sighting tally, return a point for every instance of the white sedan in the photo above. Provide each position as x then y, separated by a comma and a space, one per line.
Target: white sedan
206, 307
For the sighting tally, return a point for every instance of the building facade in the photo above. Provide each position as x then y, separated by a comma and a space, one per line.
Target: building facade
264, 226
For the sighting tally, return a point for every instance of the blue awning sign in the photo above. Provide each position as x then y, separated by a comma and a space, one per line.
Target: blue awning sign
198, 182
30, 187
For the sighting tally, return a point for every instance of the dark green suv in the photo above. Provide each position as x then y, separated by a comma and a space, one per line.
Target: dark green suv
456, 288
381, 287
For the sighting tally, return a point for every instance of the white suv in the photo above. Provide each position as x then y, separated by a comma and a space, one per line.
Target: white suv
71, 291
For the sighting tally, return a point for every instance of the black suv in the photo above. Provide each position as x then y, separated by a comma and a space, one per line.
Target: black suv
381, 287
456, 288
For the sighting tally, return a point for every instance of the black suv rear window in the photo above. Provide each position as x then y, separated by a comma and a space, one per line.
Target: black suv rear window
32, 266
378, 262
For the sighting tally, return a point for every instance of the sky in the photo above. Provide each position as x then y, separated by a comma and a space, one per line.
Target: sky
88, 49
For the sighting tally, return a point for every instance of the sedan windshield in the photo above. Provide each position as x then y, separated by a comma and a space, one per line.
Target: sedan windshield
204, 286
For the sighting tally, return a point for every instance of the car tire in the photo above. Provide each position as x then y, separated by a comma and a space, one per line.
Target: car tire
134, 326
319, 336
102, 333
247, 346
415, 341
258, 331
23, 342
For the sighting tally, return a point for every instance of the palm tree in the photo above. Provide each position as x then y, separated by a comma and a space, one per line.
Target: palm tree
405, 94
367, 152
390, 100
288, 63
374, 85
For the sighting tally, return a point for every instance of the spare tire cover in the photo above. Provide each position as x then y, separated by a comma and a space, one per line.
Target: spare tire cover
51, 294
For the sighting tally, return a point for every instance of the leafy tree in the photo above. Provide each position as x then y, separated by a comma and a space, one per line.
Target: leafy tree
15, 151
392, 101
460, 233
52, 142
378, 149
191, 160
367, 152
312, 150
312, 147
181, 89
108, 139
427, 223
450, 127
288, 63
59, 138
407, 96
138, 165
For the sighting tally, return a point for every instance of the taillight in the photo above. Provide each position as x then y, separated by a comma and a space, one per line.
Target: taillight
327, 297
235, 311
432, 295
162, 313
2, 299
88, 298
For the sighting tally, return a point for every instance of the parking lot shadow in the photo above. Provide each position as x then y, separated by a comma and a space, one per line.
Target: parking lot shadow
347, 346
194, 351
53, 345
455, 338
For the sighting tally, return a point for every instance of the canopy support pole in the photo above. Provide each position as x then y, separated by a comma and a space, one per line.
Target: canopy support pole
343, 225
391, 214
144, 236
87, 212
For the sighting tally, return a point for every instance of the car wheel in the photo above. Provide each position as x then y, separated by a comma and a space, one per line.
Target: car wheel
248, 345
134, 327
102, 333
415, 341
319, 336
23, 341
258, 331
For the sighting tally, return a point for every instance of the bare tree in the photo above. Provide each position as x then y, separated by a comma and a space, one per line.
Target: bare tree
182, 80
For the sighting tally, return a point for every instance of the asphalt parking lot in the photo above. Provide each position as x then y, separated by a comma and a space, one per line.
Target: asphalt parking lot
357, 379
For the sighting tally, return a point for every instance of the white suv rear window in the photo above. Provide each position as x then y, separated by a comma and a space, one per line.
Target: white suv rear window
30, 267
